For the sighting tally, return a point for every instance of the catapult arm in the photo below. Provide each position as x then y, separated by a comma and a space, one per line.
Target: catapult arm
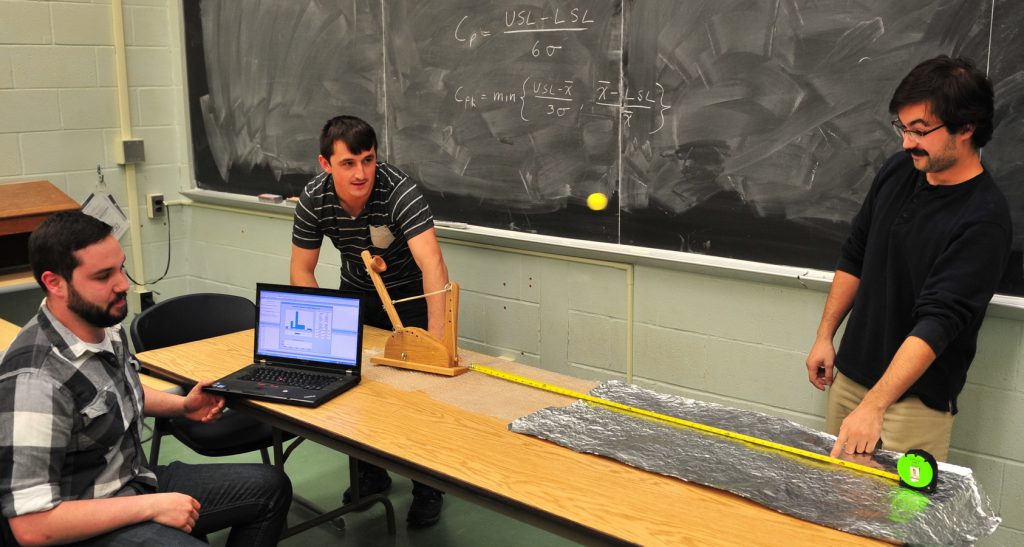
415, 348
374, 266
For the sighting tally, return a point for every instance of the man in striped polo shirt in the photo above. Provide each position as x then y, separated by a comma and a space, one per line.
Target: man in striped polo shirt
360, 203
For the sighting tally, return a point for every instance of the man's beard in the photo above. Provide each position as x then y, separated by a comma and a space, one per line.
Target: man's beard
91, 313
934, 164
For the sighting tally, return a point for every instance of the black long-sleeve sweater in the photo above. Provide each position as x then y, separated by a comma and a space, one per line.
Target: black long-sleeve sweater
929, 259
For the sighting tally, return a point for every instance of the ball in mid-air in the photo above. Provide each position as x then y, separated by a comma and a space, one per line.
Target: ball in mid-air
597, 201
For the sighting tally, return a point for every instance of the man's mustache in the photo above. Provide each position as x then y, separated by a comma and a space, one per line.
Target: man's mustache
917, 152
120, 296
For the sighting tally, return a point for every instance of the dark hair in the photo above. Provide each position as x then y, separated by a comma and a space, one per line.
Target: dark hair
958, 93
357, 135
52, 245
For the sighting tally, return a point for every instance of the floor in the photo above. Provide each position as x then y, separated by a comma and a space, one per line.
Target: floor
321, 475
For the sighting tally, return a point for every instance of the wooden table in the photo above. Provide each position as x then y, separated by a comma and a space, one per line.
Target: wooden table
421, 426
23, 206
8, 331
17, 281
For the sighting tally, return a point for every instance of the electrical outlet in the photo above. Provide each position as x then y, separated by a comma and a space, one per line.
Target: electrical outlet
154, 205
145, 300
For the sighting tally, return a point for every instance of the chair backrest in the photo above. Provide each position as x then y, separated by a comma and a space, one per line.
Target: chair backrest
191, 317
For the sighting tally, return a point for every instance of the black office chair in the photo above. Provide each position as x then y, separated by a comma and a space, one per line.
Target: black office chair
197, 316
194, 317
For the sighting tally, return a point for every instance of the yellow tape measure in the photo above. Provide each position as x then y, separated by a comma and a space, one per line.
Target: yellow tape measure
679, 421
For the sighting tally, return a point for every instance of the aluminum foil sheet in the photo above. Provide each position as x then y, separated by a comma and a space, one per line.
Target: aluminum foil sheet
957, 513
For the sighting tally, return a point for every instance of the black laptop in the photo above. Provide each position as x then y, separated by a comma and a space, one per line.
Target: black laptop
308, 346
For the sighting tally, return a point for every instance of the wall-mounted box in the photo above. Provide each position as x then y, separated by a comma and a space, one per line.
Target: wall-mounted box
130, 151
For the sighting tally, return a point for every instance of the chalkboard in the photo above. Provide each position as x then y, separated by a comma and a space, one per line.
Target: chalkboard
263, 77
737, 128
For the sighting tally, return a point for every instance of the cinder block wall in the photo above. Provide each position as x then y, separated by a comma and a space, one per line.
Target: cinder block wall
708, 336
59, 117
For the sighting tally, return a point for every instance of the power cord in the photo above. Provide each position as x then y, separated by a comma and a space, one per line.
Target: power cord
168, 268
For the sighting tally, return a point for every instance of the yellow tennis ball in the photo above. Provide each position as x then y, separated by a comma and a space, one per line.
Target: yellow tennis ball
597, 201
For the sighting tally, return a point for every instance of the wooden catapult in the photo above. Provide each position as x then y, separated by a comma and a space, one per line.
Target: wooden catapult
412, 347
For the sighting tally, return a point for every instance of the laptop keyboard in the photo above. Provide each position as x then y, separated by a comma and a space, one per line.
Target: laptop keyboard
290, 378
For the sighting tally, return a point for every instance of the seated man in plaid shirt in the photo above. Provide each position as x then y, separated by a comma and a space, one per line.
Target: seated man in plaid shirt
71, 408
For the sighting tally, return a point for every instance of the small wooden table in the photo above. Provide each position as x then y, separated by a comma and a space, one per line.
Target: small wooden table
8, 331
452, 433
23, 206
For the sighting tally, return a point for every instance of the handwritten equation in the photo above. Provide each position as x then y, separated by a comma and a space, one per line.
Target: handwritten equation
529, 21
557, 99
546, 31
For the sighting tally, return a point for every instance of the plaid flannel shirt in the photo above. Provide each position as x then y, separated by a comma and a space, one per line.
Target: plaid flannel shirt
70, 417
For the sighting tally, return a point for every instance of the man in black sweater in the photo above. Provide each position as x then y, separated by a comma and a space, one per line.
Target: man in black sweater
923, 259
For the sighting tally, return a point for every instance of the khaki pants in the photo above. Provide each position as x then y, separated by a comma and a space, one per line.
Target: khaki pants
907, 424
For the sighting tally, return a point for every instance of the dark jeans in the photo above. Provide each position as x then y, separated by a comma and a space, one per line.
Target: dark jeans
413, 314
251, 499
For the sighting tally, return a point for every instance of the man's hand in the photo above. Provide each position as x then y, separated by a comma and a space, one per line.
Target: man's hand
822, 357
76, 520
175, 510
202, 406
860, 431
820, 364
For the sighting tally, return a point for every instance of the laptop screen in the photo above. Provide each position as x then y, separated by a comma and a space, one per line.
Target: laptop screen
308, 326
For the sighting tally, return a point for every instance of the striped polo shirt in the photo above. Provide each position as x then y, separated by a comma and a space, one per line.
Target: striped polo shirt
395, 213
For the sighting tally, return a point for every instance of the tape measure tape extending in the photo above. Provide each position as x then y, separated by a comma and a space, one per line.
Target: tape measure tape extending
681, 422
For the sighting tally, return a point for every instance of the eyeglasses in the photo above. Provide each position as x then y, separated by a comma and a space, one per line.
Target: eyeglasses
912, 134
